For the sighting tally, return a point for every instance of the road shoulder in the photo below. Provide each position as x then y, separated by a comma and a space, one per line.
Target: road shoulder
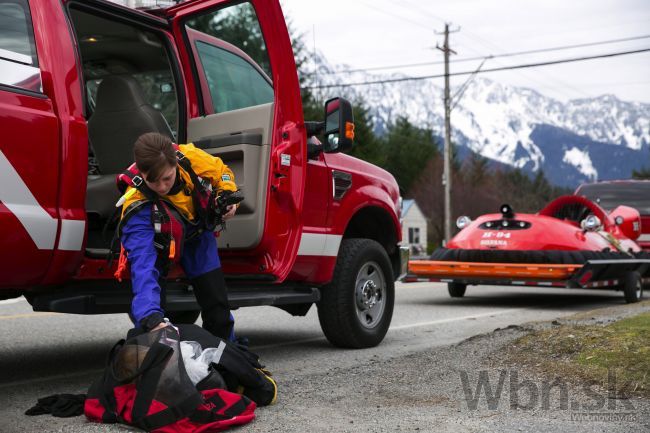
469, 386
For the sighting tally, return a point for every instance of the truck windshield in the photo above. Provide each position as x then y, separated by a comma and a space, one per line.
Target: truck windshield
611, 195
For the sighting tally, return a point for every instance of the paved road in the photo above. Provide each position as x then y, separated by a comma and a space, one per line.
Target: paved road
48, 353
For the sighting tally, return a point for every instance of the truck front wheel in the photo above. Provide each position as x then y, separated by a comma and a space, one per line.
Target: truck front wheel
356, 308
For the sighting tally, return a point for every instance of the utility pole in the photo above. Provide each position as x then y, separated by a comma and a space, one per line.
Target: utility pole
446, 176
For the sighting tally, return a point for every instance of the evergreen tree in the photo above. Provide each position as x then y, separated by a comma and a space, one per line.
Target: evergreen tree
408, 150
239, 26
312, 107
477, 169
367, 146
642, 173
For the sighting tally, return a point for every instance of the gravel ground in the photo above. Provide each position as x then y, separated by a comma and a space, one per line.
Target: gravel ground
424, 392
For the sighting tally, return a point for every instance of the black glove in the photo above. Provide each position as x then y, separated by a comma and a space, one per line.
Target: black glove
151, 321
60, 405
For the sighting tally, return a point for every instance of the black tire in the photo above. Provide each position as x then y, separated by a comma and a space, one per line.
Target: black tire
632, 287
356, 308
456, 290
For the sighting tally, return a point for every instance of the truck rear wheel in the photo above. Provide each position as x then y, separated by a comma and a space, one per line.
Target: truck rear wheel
356, 308
632, 287
456, 290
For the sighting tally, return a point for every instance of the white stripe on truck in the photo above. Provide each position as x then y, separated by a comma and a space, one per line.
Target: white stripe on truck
318, 244
39, 224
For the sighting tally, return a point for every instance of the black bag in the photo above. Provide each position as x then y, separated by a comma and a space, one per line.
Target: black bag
145, 385
240, 368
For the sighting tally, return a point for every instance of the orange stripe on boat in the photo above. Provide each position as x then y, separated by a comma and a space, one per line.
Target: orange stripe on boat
445, 269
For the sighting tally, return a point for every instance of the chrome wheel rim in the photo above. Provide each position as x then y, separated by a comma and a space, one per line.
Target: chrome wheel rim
369, 294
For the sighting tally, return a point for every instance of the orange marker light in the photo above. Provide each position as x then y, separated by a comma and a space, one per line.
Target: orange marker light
349, 130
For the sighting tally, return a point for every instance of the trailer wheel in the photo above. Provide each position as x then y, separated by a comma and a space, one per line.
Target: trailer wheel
456, 290
632, 287
356, 308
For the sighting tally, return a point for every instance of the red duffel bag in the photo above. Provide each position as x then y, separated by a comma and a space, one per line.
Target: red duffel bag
145, 385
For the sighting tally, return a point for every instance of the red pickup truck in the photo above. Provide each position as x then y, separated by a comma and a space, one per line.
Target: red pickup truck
80, 80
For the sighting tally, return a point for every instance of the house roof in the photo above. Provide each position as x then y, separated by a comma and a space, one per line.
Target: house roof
406, 206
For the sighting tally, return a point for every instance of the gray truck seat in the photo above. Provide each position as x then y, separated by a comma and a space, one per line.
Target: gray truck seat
121, 115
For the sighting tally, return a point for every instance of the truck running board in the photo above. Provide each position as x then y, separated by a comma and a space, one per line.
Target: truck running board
113, 298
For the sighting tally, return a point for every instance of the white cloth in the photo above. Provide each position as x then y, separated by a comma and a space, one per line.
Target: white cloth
197, 361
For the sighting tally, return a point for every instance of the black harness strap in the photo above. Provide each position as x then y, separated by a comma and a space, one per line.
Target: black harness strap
199, 187
162, 241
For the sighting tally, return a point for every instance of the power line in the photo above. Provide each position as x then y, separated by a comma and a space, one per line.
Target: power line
417, 6
459, 94
392, 14
492, 56
504, 68
521, 72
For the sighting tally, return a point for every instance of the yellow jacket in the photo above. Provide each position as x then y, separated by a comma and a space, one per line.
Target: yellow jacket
205, 166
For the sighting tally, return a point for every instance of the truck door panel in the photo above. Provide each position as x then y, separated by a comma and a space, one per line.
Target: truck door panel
248, 158
251, 95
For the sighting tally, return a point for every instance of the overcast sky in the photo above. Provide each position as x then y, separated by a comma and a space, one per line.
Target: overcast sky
375, 33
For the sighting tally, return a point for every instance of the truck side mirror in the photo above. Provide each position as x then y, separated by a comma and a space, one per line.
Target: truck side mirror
339, 126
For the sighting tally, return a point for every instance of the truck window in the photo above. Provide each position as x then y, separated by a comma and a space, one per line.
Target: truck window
234, 83
110, 47
237, 25
18, 60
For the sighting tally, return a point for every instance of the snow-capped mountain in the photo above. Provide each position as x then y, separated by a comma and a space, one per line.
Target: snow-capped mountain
573, 142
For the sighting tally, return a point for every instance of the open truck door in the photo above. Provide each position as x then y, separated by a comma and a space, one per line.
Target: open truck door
249, 113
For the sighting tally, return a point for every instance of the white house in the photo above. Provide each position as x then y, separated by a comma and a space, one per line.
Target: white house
414, 228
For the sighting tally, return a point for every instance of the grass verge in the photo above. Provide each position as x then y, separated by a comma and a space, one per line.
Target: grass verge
589, 352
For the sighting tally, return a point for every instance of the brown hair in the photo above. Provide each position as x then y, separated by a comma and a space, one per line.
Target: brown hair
153, 153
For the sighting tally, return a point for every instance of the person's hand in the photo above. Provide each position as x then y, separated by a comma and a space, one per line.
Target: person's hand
161, 325
231, 212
